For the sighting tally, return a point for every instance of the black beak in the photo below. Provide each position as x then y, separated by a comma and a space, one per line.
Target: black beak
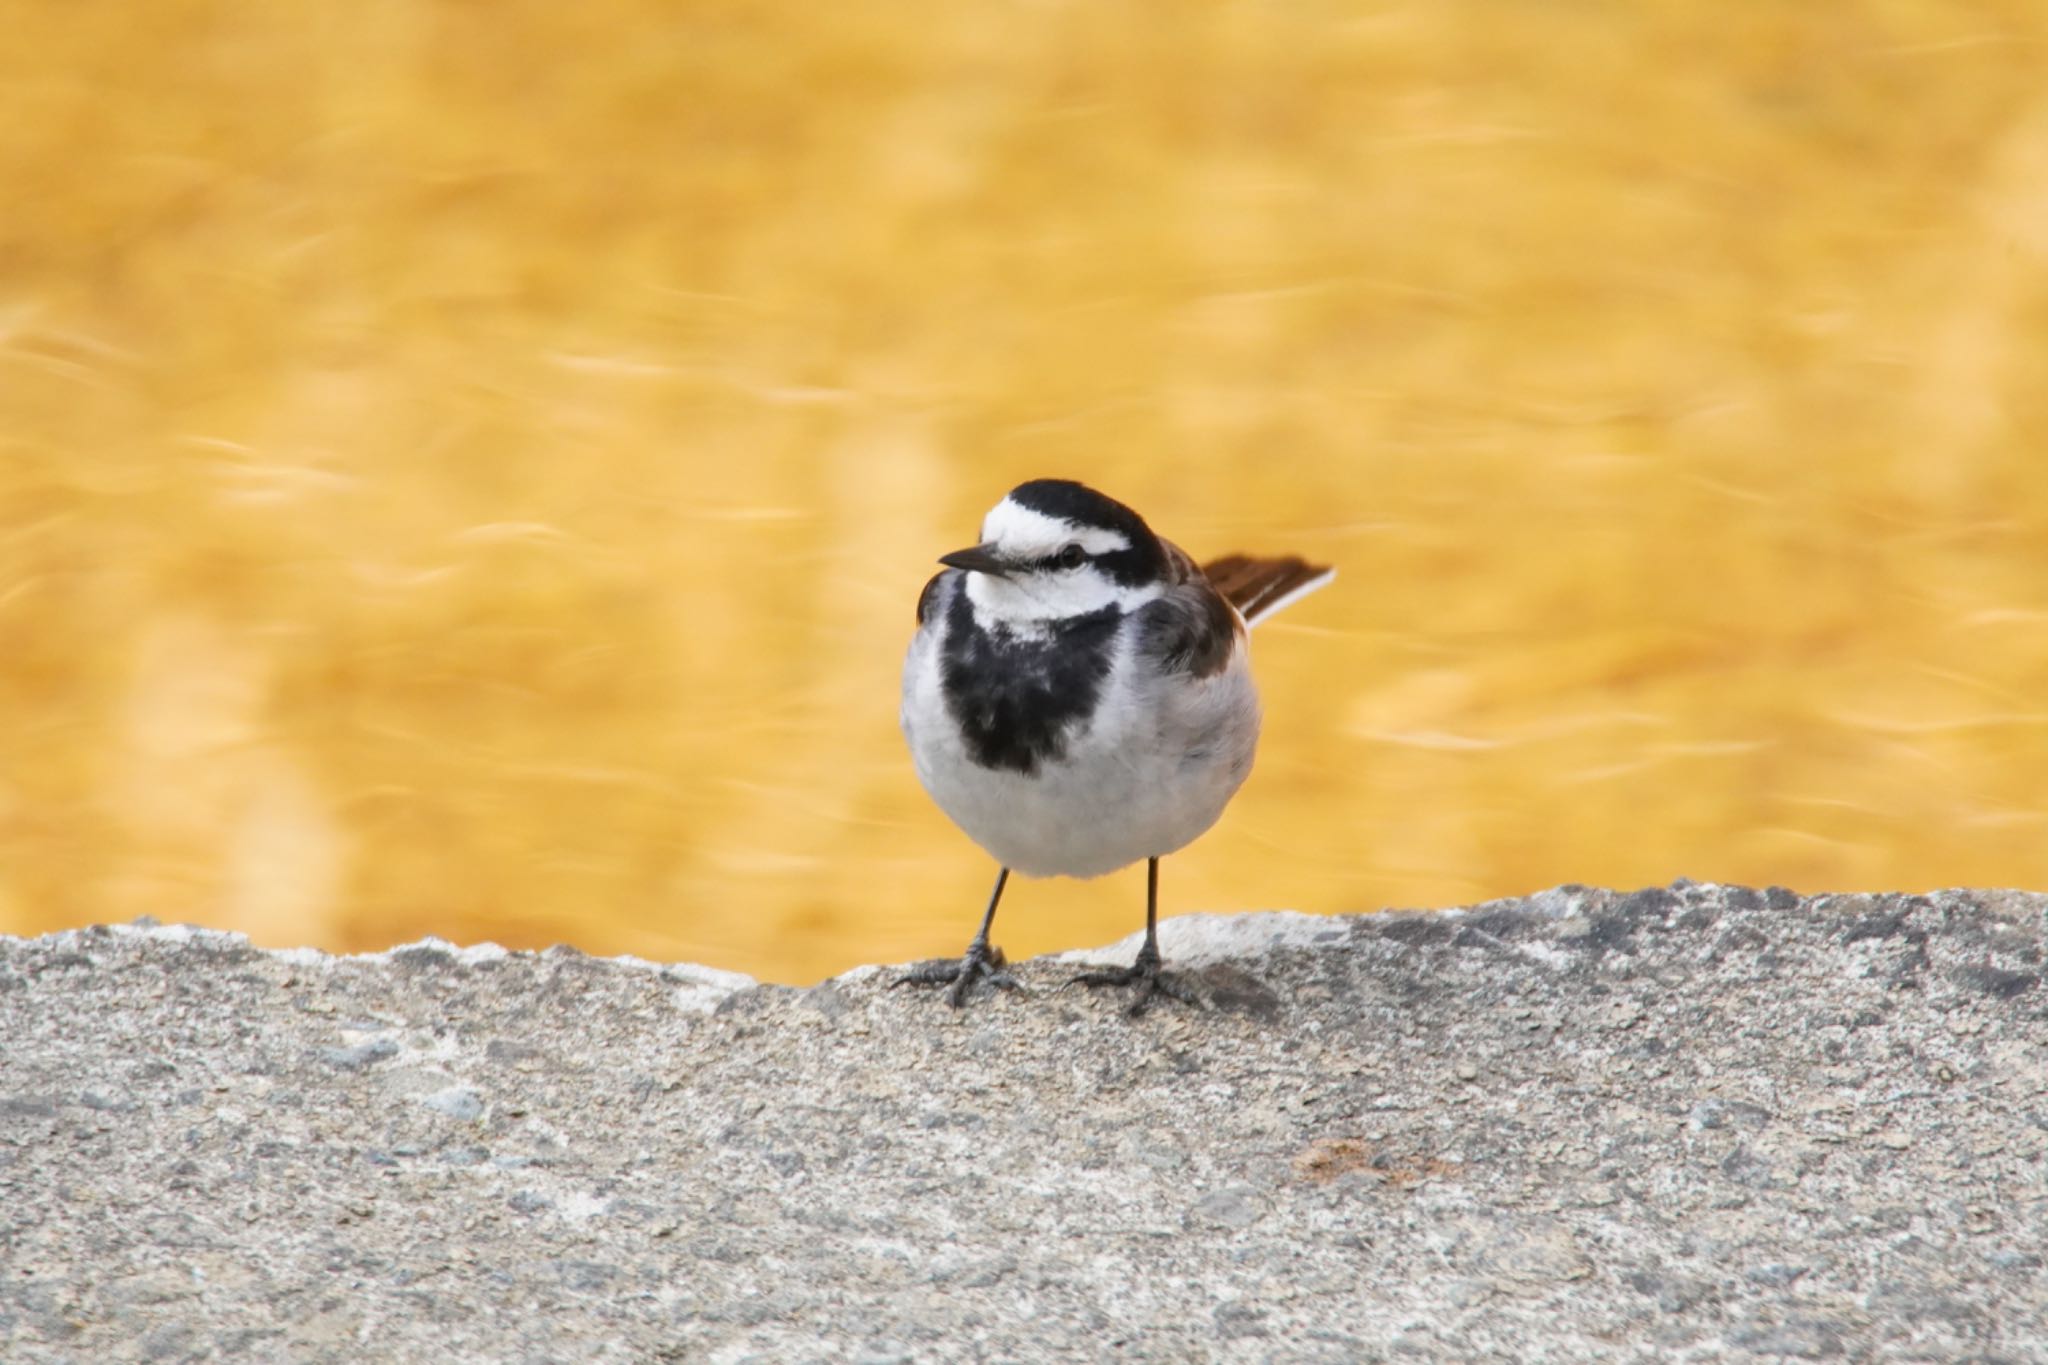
980, 559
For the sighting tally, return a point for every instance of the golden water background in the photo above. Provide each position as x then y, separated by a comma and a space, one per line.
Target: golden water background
467, 469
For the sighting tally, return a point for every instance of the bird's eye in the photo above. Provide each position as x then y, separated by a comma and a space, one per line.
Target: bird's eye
1071, 556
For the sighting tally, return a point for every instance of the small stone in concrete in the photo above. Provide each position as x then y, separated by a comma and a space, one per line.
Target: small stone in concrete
457, 1102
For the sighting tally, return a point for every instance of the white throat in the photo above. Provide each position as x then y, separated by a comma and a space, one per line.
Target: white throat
1032, 600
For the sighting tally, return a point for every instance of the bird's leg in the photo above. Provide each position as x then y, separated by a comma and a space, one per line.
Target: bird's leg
1145, 973
979, 963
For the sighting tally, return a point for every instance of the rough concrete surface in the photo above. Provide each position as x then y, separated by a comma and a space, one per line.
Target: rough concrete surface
1702, 1123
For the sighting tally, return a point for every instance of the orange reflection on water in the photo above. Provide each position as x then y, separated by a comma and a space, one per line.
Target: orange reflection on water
468, 471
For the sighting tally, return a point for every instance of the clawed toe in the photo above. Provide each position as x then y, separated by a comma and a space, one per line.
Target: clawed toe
980, 963
1147, 977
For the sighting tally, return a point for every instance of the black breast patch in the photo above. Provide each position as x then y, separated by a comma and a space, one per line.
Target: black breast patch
1015, 699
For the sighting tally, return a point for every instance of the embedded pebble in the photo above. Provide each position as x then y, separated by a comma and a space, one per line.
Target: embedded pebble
457, 1102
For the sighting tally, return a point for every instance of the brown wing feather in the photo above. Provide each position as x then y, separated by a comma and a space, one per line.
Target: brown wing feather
1257, 586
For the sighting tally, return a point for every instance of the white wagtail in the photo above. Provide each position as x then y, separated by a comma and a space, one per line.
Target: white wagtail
1079, 696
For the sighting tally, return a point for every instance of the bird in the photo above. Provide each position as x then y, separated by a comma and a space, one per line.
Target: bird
1078, 697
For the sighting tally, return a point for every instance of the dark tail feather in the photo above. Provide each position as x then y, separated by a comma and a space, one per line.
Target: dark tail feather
1260, 587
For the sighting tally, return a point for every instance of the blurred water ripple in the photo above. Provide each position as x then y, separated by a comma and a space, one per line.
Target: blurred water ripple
484, 493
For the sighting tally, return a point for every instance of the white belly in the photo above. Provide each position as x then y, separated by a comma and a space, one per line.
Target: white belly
1145, 776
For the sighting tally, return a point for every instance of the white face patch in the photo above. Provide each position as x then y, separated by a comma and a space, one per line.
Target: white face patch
1022, 533
1030, 597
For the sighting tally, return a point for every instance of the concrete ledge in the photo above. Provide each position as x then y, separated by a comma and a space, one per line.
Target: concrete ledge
1695, 1123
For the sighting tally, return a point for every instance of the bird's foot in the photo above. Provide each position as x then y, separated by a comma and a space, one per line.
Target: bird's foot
1149, 979
980, 963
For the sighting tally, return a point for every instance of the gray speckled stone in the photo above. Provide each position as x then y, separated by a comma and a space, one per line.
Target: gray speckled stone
1690, 1123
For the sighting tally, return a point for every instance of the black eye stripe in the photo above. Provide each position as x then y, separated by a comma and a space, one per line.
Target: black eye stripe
1141, 560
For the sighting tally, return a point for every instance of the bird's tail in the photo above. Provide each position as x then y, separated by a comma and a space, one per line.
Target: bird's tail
1259, 587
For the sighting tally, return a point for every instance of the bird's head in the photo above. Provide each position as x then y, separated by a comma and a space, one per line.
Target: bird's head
1054, 549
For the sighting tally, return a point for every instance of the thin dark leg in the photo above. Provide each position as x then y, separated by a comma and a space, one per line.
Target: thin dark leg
988, 916
979, 963
1145, 973
1151, 948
